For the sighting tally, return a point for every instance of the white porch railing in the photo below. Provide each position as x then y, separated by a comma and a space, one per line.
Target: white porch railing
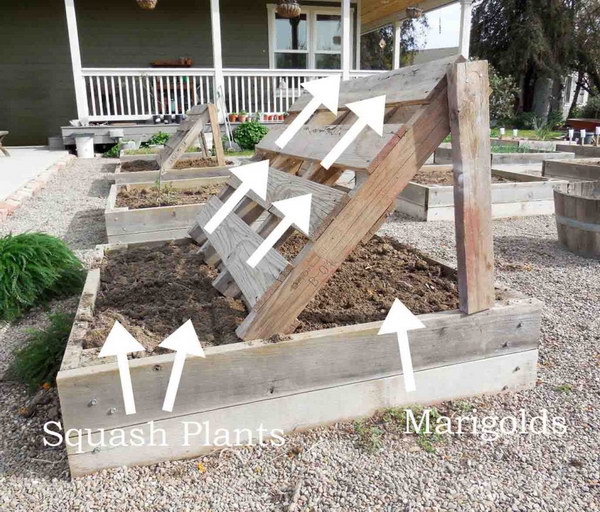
138, 94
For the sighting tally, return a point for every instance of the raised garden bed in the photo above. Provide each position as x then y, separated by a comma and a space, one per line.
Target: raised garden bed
144, 170
141, 213
580, 151
335, 373
582, 169
503, 154
513, 194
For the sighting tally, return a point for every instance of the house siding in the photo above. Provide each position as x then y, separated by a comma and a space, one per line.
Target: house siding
36, 83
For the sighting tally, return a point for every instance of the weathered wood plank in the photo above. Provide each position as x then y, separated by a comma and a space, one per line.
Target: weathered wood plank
235, 242
506, 373
405, 86
314, 143
326, 200
130, 178
391, 171
240, 373
213, 118
468, 101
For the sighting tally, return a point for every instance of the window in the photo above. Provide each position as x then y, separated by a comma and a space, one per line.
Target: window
311, 41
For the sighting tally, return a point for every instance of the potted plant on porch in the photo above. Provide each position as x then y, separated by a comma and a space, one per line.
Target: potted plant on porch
243, 116
233, 117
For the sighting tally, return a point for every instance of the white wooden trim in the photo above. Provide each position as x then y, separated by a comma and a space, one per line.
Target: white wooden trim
219, 84
397, 40
346, 40
78, 79
465, 27
358, 23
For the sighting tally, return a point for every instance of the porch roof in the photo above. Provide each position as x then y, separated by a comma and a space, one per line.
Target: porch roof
376, 13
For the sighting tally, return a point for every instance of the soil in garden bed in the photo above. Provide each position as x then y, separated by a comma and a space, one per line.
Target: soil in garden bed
152, 197
444, 176
153, 291
152, 165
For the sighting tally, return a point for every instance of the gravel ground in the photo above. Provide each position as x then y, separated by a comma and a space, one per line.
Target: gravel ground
331, 469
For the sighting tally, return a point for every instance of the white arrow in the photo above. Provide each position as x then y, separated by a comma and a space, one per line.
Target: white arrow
295, 211
400, 320
255, 177
325, 91
119, 343
183, 341
370, 113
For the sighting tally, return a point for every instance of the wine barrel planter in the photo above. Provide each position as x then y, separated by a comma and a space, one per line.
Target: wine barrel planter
577, 207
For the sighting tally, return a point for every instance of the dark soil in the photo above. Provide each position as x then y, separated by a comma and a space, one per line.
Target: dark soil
152, 165
443, 176
153, 291
153, 196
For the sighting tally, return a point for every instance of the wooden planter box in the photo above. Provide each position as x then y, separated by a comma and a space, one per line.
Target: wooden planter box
308, 380
530, 195
583, 169
123, 177
443, 155
580, 151
124, 225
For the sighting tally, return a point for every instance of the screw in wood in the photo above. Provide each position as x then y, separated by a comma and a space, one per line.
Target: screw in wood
92, 402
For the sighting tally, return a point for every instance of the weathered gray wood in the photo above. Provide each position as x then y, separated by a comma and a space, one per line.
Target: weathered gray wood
506, 373
128, 178
405, 86
579, 150
573, 170
235, 242
240, 373
578, 217
314, 143
326, 201
468, 93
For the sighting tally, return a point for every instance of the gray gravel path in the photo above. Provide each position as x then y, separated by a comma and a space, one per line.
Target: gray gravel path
328, 469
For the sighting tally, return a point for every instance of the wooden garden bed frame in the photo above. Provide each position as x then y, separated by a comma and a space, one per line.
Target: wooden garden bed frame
321, 377
129, 225
190, 130
529, 195
585, 151
443, 155
311, 379
581, 169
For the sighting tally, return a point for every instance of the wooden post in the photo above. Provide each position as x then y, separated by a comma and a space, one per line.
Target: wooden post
397, 39
468, 101
465, 27
80, 90
219, 79
346, 47
358, 25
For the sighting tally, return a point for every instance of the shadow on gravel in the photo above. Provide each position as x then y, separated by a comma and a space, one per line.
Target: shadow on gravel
523, 249
86, 230
109, 166
99, 188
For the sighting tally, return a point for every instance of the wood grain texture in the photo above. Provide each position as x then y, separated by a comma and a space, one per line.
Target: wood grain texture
405, 86
235, 242
468, 101
314, 143
213, 118
391, 170
326, 200
246, 372
505, 373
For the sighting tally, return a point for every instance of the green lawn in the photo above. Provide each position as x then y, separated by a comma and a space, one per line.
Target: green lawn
526, 134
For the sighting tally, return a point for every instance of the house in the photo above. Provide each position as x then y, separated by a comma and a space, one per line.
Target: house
112, 63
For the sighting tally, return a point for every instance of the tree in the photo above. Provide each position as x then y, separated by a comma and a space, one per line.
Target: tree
536, 40
377, 47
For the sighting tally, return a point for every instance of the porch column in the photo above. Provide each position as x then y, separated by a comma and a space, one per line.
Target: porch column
358, 34
219, 80
346, 41
80, 91
465, 27
397, 39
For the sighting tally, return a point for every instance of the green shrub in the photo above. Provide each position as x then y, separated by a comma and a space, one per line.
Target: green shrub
503, 98
249, 134
38, 362
159, 138
113, 152
591, 110
35, 267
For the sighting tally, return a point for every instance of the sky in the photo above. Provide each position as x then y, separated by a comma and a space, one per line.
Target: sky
444, 27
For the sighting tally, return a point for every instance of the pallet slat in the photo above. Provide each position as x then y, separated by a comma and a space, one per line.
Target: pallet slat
405, 86
235, 242
325, 200
313, 143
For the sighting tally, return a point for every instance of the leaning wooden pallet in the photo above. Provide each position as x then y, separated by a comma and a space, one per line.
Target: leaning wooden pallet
190, 130
319, 377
